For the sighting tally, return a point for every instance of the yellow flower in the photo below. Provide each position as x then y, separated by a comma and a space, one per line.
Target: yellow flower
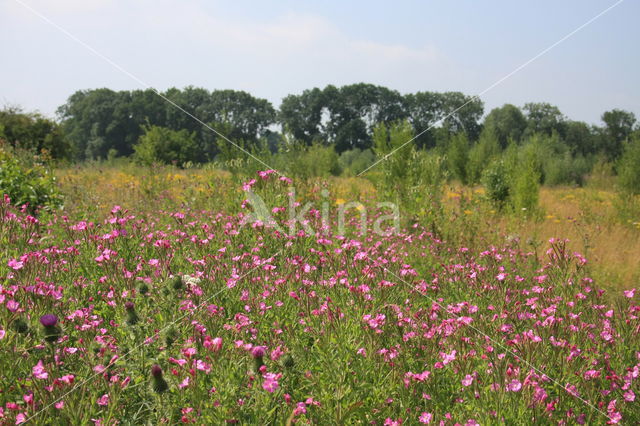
468, 212
340, 201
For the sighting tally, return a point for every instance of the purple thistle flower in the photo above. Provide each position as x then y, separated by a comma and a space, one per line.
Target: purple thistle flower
49, 320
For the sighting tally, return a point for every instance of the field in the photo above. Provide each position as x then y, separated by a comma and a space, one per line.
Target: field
151, 300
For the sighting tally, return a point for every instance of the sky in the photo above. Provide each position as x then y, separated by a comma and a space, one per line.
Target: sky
272, 49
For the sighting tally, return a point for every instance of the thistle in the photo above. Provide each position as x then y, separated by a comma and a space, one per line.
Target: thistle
170, 337
258, 354
52, 331
159, 384
132, 316
20, 326
288, 361
175, 282
143, 288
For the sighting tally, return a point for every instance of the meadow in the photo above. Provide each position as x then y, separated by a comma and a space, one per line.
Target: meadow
150, 299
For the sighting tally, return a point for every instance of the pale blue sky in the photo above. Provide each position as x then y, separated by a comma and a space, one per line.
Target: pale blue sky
272, 49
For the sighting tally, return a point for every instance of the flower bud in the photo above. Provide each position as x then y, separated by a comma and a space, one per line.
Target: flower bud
159, 384
51, 330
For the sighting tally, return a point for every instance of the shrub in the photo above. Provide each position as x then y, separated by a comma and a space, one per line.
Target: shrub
526, 185
27, 181
458, 157
629, 168
355, 161
496, 182
163, 145
481, 154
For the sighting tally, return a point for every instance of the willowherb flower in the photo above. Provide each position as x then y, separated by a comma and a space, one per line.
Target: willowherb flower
159, 384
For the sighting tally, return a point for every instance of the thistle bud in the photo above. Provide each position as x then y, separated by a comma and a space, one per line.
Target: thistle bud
20, 326
132, 316
51, 330
159, 384
288, 361
170, 337
258, 354
175, 282
143, 288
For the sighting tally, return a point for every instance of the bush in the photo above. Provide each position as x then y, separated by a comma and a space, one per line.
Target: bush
629, 168
496, 182
526, 185
355, 161
481, 154
163, 145
458, 157
304, 161
27, 181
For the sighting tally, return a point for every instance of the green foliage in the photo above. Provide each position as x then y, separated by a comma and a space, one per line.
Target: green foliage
300, 160
458, 157
619, 125
26, 180
544, 118
507, 124
394, 156
97, 121
629, 168
162, 145
355, 161
34, 132
496, 179
525, 189
481, 154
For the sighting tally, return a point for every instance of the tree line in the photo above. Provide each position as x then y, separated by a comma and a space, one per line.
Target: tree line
102, 123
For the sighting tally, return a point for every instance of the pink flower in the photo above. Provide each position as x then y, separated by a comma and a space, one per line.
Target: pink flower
39, 372
15, 264
103, 401
270, 383
12, 305
2, 333
425, 418
514, 386
629, 396
630, 293
59, 405
501, 276
21, 418
468, 380
447, 358
184, 383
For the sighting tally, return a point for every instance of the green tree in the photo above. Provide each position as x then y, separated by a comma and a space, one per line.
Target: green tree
619, 125
162, 145
481, 154
542, 117
458, 157
629, 167
507, 123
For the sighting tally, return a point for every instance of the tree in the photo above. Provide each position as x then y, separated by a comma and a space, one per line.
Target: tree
302, 115
34, 132
580, 138
163, 145
629, 167
506, 123
619, 125
481, 155
544, 118
355, 110
458, 156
